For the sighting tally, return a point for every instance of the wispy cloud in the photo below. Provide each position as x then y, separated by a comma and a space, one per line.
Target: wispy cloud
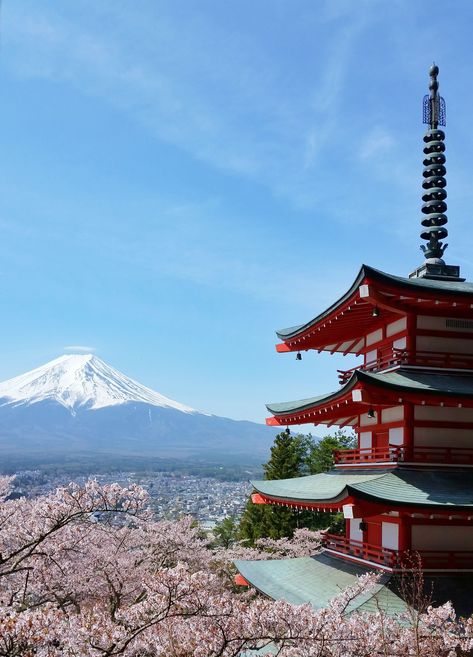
79, 349
209, 90
378, 142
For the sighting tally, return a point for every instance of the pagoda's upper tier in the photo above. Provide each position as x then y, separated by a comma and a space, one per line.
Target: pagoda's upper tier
341, 327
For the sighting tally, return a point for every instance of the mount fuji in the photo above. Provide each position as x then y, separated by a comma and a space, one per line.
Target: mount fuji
77, 405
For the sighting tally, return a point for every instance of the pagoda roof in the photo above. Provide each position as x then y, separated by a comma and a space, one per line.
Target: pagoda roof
340, 322
411, 383
442, 490
317, 580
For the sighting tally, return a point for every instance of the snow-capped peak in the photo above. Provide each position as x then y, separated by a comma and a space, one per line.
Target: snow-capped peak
77, 380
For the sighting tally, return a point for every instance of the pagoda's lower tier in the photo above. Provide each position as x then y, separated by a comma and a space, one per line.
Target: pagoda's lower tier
408, 490
317, 580
389, 514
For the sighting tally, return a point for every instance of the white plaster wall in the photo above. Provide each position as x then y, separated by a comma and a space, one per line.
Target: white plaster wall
442, 537
443, 414
444, 345
390, 535
396, 327
374, 336
396, 435
434, 436
366, 421
366, 439
392, 414
400, 343
355, 532
371, 356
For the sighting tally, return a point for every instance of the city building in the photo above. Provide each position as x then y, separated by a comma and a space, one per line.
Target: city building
408, 486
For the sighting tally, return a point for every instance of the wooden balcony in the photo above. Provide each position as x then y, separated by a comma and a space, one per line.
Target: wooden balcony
367, 455
359, 550
389, 358
434, 560
461, 456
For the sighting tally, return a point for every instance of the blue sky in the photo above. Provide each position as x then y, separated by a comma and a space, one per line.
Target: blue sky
179, 179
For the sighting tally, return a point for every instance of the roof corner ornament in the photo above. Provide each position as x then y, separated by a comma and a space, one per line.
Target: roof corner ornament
434, 184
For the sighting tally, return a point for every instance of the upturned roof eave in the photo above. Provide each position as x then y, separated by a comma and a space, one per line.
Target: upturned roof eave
320, 501
449, 288
311, 402
335, 485
292, 331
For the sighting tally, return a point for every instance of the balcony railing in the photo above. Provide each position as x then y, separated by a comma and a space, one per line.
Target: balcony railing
360, 550
404, 453
430, 560
367, 455
388, 358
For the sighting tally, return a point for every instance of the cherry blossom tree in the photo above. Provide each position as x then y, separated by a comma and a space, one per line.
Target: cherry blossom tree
87, 572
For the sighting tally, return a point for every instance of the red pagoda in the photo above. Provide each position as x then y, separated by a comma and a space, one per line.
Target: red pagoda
408, 486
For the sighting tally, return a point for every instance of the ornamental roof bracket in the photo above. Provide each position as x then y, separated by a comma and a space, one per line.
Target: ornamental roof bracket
434, 186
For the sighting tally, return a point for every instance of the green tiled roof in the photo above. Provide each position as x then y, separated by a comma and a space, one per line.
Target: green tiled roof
402, 380
302, 404
432, 383
317, 580
327, 486
445, 287
423, 488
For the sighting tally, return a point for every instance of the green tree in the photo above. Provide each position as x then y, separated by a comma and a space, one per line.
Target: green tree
225, 532
254, 523
320, 456
289, 455
320, 459
293, 456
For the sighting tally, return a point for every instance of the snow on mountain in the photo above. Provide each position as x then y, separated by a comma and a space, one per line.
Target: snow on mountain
78, 409
81, 381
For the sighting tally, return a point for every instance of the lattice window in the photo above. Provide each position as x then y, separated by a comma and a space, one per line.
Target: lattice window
459, 324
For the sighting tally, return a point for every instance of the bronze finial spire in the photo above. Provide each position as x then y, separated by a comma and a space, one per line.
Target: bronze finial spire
434, 172
434, 104
434, 184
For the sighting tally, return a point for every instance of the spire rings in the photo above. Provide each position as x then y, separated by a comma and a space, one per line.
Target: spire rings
434, 183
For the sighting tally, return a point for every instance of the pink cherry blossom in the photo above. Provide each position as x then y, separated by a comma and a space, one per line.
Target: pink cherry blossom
87, 572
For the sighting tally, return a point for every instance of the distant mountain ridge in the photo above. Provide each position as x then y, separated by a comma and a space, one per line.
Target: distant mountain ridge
79, 405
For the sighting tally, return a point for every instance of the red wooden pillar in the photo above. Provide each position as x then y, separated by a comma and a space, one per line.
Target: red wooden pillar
411, 347
404, 533
409, 428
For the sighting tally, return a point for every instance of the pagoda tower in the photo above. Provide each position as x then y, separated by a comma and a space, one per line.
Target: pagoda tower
408, 486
